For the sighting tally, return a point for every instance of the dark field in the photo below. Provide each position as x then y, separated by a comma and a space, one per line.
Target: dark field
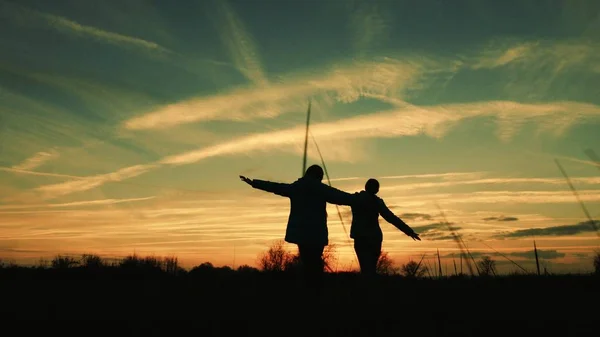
219, 301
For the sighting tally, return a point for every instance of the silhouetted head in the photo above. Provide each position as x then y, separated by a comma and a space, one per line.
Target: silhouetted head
314, 172
372, 186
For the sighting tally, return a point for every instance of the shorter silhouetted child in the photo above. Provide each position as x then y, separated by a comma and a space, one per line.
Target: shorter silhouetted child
365, 230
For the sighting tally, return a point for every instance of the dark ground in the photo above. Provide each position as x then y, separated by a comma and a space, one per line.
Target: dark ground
117, 302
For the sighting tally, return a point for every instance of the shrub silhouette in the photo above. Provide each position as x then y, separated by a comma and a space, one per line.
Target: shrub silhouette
63, 262
276, 258
597, 263
330, 257
247, 269
487, 266
141, 264
204, 266
385, 265
412, 269
92, 261
292, 264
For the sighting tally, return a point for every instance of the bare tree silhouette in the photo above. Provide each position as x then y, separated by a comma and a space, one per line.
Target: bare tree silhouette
487, 266
330, 257
385, 265
276, 258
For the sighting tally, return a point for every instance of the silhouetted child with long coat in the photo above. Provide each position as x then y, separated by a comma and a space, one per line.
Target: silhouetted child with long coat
307, 221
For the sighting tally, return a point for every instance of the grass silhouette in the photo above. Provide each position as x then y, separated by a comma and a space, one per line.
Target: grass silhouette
150, 288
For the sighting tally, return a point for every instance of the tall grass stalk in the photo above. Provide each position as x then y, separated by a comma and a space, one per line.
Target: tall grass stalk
506, 257
459, 242
336, 206
439, 264
306, 139
454, 262
537, 260
585, 211
593, 157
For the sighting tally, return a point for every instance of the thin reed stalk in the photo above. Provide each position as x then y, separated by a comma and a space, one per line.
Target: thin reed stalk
306, 139
439, 264
537, 260
459, 242
593, 157
506, 257
336, 206
585, 211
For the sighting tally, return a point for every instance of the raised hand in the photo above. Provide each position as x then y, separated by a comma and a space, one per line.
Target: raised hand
246, 180
415, 236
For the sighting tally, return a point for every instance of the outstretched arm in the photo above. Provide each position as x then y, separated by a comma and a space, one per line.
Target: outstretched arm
396, 221
338, 197
268, 186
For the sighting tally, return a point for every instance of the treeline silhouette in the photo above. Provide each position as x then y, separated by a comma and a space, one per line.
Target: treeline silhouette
272, 299
276, 259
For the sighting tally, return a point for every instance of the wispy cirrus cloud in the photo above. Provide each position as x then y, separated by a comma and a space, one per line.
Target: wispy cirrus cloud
540, 69
99, 202
431, 120
241, 45
538, 54
496, 197
344, 83
68, 26
369, 24
386, 79
447, 175
416, 120
494, 181
72, 27
87, 183
36, 160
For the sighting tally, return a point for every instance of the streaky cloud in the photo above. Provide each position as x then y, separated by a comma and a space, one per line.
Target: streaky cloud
98, 202
343, 83
416, 120
447, 175
65, 188
494, 181
538, 55
501, 218
71, 27
241, 46
36, 160
529, 254
564, 230
498, 197
41, 174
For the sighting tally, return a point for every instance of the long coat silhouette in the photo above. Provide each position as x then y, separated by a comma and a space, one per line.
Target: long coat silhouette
307, 220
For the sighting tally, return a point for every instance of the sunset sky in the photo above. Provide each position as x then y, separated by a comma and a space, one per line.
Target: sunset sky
124, 125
